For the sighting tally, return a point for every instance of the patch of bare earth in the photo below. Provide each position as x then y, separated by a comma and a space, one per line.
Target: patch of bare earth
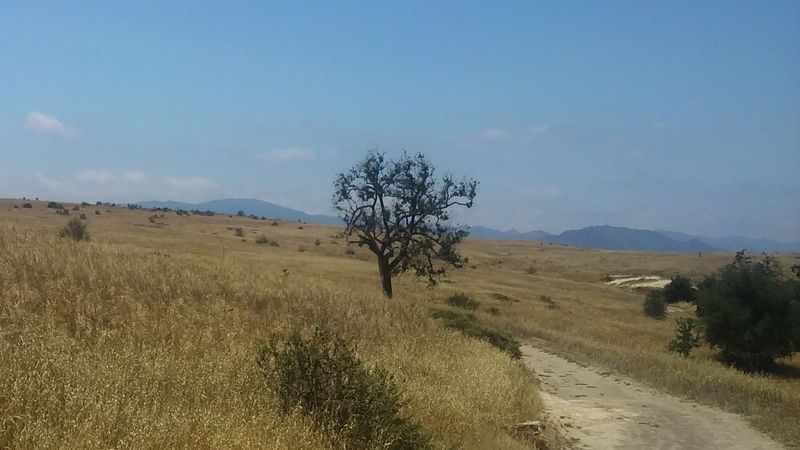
598, 410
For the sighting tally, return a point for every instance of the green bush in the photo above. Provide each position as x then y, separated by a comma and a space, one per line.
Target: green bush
55, 205
322, 377
751, 313
463, 301
680, 288
75, 229
469, 325
654, 305
687, 337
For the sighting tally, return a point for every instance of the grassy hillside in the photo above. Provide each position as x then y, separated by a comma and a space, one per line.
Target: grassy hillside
149, 331
147, 336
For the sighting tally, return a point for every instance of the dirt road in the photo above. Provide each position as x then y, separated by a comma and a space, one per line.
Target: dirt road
599, 410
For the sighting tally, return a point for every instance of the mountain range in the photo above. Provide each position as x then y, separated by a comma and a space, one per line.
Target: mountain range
600, 237
620, 238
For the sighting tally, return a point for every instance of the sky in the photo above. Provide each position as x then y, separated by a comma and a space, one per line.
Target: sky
677, 115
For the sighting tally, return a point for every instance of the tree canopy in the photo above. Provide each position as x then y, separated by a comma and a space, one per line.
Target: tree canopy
400, 211
751, 312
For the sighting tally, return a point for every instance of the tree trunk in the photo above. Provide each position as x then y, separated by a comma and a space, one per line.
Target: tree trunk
386, 276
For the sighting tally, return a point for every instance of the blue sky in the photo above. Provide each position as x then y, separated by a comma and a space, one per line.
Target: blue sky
674, 115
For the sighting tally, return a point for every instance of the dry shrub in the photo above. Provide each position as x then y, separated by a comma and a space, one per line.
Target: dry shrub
75, 229
322, 377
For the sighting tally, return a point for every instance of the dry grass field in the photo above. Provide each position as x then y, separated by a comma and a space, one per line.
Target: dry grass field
146, 335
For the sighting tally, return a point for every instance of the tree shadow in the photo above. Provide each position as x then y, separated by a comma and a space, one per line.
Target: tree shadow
779, 369
785, 371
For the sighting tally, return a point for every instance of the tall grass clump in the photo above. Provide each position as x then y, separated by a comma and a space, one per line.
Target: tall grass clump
76, 230
322, 377
462, 301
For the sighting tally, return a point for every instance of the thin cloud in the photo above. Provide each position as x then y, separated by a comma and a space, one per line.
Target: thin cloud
122, 185
40, 123
496, 134
191, 184
517, 135
95, 176
133, 175
541, 192
288, 154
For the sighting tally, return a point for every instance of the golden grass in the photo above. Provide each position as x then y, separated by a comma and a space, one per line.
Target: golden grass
602, 324
180, 307
113, 345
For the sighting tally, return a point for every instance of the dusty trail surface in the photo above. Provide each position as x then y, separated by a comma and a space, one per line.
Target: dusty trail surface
598, 410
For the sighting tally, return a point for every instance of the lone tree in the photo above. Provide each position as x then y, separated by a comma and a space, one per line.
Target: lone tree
751, 312
399, 210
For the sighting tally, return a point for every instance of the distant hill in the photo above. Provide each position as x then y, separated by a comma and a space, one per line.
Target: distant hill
619, 238
512, 234
250, 207
602, 237
736, 243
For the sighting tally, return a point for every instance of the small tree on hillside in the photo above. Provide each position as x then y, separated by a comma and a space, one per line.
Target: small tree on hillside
399, 210
680, 288
751, 312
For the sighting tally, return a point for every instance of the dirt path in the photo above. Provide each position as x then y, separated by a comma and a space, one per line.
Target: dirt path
598, 410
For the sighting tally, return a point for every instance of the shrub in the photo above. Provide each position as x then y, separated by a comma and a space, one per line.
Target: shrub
55, 205
654, 305
238, 232
461, 300
350, 251
469, 325
62, 212
75, 229
301, 248
548, 301
687, 337
493, 310
83, 216
322, 377
96, 212
680, 288
751, 313
76, 208
502, 297
317, 242
27, 205
265, 240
